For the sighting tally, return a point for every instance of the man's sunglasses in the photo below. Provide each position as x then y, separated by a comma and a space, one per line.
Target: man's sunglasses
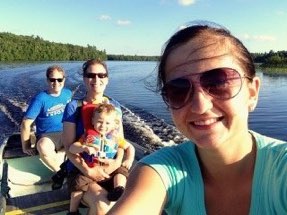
220, 83
56, 79
93, 75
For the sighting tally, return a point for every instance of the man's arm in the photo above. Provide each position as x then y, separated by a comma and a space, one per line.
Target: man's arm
25, 136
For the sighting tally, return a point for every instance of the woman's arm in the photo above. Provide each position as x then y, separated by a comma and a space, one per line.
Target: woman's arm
96, 173
78, 147
69, 136
145, 193
110, 165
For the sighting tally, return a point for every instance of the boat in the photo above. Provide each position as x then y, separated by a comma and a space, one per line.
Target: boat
26, 185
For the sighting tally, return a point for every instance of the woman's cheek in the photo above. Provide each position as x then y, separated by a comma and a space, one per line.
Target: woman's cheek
179, 118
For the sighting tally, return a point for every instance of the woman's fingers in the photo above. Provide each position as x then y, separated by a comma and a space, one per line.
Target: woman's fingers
102, 174
98, 173
105, 174
104, 162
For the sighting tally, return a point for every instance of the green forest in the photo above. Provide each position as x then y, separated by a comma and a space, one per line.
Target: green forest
271, 59
34, 48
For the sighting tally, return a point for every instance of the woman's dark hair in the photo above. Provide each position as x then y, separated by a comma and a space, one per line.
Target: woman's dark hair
91, 62
200, 31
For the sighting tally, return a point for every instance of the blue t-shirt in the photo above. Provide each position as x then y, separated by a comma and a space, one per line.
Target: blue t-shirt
47, 111
180, 172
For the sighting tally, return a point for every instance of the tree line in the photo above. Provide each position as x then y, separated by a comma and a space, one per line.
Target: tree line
271, 59
34, 48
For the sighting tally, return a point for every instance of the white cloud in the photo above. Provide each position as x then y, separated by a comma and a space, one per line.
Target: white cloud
123, 22
186, 2
280, 13
259, 37
182, 27
105, 17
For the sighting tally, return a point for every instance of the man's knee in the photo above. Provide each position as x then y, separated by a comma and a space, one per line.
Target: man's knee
45, 146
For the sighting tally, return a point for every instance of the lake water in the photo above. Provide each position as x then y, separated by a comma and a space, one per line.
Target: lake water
19, 82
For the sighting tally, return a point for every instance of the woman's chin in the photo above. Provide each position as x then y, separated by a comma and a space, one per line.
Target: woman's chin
97, 89
207, 139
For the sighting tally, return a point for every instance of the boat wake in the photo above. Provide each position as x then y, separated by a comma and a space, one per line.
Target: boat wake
149, 131
139, 126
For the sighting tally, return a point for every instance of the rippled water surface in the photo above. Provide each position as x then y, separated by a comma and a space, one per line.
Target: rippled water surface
19, 82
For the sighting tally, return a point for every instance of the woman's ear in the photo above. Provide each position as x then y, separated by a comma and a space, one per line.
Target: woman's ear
254, 88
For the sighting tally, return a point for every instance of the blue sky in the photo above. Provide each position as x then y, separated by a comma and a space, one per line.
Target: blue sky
141, 27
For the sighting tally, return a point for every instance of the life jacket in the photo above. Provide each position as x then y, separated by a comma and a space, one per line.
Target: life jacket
107, 148
87, 113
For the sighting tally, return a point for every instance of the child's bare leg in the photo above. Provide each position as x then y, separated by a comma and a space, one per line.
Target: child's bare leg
75, 201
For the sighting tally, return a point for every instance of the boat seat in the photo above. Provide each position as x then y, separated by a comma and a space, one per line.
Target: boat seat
28, 171
41, 203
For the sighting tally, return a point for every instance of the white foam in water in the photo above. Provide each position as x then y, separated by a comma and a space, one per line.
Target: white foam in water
151, 133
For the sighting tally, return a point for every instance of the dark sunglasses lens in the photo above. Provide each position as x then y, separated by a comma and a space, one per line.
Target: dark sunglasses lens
221, 83
176, 92
93, 75
56, 79
90, 75
102, 75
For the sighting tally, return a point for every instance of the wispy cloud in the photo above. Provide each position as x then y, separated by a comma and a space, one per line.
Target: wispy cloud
120, 22
123, 22
259, 37
280, 12
186, 2
105, 17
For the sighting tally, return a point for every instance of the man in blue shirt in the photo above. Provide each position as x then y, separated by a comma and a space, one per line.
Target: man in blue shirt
46, 110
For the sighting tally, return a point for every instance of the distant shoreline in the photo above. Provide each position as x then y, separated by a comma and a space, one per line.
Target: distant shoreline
274, 71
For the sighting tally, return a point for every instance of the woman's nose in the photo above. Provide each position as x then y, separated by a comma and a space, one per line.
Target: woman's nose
200, 101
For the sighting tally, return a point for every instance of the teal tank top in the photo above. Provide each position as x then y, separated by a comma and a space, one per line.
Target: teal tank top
180, 172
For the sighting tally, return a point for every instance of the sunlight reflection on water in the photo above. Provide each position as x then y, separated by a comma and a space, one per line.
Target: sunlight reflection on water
127, 85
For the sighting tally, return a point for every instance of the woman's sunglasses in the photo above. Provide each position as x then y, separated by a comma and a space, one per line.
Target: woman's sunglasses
220, 83
56, 79
93, 75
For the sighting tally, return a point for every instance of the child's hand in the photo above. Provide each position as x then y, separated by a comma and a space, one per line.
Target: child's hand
127, 164
90, 150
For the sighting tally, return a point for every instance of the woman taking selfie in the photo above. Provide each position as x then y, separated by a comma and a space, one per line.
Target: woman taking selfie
207, 78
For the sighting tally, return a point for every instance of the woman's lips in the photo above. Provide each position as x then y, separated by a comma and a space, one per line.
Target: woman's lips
206, 123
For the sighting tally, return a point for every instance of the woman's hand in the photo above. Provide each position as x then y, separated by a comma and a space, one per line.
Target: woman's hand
110, 165
98, 173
